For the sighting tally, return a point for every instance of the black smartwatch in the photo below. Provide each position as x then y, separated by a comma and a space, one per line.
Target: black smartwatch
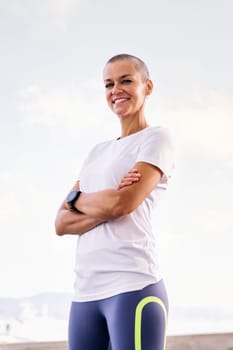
71, 199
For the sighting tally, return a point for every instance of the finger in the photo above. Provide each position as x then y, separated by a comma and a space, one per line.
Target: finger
127, 182
124, 184
131, 175
131, 179
134, 170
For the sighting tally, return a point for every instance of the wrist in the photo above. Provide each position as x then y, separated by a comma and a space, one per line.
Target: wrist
71, 200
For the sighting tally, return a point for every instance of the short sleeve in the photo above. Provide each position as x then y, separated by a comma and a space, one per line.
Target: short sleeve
157, 149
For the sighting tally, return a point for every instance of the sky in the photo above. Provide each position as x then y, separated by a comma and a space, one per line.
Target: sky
53, 111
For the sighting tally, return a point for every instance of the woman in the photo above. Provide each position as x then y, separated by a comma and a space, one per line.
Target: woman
120, 300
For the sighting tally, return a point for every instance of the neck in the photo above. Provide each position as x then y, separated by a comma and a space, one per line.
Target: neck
133, 125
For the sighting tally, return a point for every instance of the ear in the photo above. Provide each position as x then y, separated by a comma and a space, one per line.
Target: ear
149, 87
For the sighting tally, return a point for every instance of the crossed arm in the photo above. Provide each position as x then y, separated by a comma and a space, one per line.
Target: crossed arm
98, 207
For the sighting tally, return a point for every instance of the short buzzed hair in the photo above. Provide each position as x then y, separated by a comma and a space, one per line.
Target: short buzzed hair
138, 62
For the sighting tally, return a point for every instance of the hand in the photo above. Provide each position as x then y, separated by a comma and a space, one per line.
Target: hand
128, 179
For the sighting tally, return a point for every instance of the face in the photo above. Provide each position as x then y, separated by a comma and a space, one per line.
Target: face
125, 88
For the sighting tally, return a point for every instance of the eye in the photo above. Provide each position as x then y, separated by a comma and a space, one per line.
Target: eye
126, 81
109, 85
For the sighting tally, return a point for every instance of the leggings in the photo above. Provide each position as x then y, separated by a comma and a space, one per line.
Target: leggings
129, 321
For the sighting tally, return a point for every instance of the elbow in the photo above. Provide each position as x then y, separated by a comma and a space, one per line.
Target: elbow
59, 232
121, 208
59, 229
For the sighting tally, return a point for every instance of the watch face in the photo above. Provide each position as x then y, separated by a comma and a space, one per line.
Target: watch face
71, 196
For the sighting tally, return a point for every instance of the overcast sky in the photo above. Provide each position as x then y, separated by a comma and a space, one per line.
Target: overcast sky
53, 111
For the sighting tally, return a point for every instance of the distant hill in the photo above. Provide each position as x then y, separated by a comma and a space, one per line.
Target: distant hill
55, 305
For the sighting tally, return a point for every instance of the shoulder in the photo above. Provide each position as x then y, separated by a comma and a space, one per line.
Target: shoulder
158, 134
158, 130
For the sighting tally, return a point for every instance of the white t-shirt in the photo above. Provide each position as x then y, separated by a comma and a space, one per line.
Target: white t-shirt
120, 255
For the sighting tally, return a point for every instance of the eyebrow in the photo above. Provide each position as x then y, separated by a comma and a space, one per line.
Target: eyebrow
121, 77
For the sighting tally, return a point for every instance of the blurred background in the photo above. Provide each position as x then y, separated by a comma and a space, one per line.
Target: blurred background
53, 111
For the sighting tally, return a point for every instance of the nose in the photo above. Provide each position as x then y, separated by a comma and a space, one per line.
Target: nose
115, 89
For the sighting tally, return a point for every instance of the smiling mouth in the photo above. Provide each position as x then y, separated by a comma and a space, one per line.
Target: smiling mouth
120, 100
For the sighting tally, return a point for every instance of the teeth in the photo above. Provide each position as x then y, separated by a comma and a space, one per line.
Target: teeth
119, 100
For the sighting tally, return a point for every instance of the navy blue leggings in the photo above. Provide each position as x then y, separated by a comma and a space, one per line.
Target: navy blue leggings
129, 321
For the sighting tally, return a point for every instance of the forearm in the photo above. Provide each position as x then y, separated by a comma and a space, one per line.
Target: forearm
106, 205
110, 204
103, 205
95, 208
71, 222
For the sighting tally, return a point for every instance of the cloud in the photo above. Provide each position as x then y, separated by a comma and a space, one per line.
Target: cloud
25, 7
52, 13
9, 201
212, 223
63, 7
66, 107
203, 124
9, 206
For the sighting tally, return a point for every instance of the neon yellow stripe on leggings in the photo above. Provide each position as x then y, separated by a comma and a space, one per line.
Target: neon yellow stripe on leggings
138, 319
